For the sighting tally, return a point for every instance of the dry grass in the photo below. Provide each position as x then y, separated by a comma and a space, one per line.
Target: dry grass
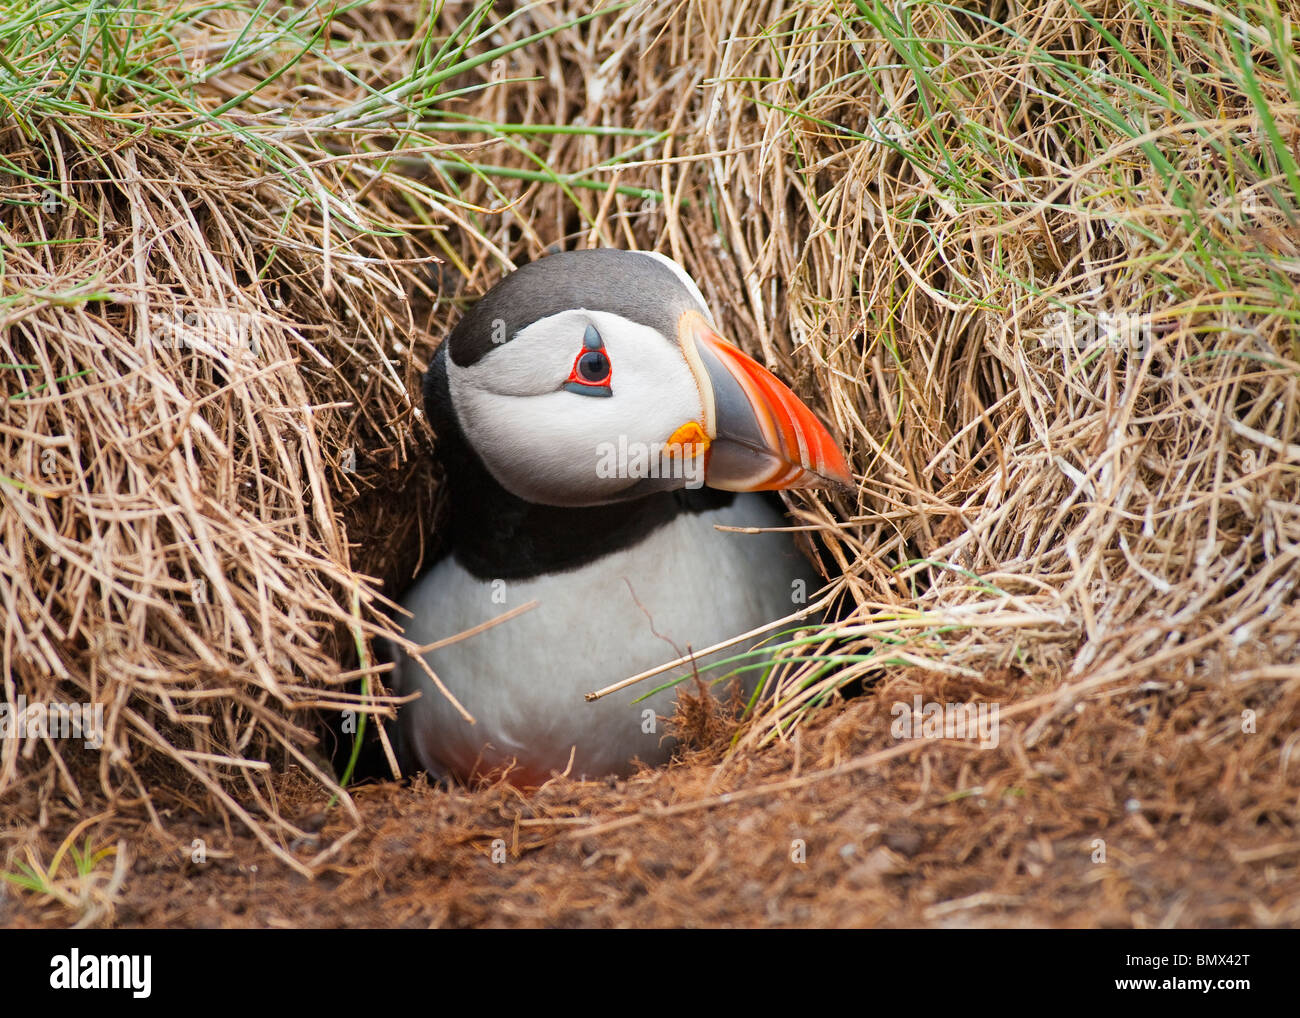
1037, 265
1041, 277
204, 344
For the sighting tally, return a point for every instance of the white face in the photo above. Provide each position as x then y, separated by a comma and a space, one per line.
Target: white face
552, 446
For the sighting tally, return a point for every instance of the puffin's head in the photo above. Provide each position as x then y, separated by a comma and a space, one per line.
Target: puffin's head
590, 377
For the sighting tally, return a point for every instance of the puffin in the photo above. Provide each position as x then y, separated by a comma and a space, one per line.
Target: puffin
595, 432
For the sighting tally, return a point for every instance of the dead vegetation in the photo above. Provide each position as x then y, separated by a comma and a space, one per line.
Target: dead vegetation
1036, 265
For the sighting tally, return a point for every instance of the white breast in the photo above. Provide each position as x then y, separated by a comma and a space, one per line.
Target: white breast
686, 586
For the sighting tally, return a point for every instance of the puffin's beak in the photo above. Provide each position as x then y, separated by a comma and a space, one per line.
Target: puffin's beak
762, 437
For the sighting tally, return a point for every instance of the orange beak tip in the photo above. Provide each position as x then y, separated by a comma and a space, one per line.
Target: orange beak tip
839, 484
839, 481
844, 488
768, 438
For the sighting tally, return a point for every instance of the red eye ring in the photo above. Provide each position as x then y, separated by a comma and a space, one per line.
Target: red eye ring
592, 373
591, 367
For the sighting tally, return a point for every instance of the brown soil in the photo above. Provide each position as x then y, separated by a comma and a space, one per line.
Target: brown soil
1197, 823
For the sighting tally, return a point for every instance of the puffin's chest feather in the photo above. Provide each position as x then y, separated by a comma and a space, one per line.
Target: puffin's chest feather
684, 587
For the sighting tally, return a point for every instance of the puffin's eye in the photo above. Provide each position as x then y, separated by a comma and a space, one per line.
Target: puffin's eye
592, 369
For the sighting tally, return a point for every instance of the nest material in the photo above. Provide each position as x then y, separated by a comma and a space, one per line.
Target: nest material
206, 369
1075, 417
1062, 347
